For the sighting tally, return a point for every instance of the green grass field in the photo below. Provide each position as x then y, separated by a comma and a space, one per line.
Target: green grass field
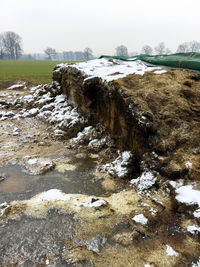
35, 72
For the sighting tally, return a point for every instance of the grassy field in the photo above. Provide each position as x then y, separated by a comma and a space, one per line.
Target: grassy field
35, 72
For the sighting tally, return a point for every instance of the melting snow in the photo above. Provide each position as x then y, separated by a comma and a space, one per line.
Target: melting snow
110, 69
187, 195
140, 219
193, 229
144, 182
120, 165
170, 251
91, 204
52, 195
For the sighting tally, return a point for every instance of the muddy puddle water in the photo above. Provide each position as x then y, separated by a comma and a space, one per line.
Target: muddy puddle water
19, 185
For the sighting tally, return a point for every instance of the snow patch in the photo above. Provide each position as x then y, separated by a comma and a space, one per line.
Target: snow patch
120, 165
52, 195
170, 251
109, 69
193, 229
144, 182
92, 203
140, 219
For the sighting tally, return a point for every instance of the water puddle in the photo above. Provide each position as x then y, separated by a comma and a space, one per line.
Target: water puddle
80, 179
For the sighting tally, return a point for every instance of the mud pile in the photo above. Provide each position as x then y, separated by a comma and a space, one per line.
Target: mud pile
154, 114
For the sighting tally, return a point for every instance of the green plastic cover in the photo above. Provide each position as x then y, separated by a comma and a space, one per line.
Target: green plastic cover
179, 60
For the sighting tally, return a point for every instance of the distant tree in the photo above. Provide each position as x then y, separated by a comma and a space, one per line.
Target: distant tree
168, 51
88, 53
121, 51
12, 44
147, 49
183, 48
133, 54
194, 46
1, 47
50, 52
160, 48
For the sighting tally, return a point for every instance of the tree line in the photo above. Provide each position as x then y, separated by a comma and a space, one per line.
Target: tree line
11, 48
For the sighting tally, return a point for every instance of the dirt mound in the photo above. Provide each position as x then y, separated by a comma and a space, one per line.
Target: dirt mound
155, 115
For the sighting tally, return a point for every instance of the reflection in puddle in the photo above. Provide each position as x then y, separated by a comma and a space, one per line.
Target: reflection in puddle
15, 180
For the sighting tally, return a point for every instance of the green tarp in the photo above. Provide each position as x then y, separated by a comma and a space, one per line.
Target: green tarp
179, 60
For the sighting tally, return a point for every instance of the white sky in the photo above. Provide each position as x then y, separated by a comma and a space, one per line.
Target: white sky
100, 24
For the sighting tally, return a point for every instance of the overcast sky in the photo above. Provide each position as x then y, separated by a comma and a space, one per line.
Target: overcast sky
101, 25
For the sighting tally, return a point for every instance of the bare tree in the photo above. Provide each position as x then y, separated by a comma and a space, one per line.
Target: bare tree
160, 49
183, 48
1, 47
194, 46
168, 51
50, 52
147, 49
121, 51
88, 53
11, 43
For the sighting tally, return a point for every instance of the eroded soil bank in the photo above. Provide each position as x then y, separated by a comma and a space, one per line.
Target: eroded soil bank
93, 185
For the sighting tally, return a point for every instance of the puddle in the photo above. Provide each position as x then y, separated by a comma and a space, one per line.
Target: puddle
19, 185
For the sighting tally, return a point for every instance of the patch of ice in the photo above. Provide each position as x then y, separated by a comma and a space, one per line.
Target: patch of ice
144, 182
170, 251
193, 229
140, 219
52, 195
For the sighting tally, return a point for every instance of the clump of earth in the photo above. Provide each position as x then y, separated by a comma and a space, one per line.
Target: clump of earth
78, 190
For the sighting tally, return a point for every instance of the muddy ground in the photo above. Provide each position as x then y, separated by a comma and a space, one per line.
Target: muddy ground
60, 207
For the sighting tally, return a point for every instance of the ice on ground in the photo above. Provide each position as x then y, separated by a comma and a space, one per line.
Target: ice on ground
193, 229
52, 195
110, 69
140, 219
144, 182
120, 165
170, 251
92, 203
187, 195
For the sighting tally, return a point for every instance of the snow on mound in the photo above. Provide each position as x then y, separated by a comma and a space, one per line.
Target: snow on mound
140, 219
52, 195
110, 69
187, 195
170, 251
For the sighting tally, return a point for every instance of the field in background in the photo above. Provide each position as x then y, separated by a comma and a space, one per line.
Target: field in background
34, 72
